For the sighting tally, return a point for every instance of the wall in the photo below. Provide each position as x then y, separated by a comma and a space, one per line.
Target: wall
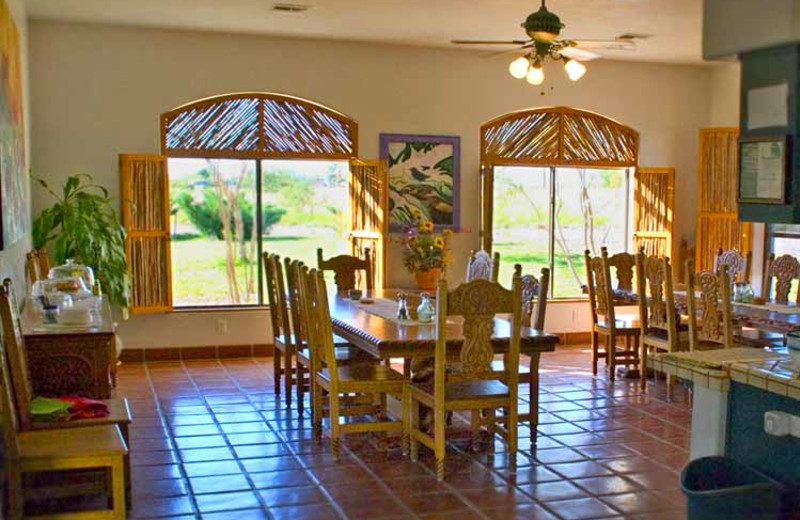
12, 259
98, 91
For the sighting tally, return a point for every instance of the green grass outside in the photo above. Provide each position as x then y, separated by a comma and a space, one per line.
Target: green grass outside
564, 283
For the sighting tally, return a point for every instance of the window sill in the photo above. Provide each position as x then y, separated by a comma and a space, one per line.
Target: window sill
227, 308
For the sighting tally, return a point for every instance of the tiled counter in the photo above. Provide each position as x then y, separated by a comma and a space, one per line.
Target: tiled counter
711, 373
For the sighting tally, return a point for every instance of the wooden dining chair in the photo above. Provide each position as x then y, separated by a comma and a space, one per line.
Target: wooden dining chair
605, 323
659, 320
17, 358
346, 270
738, 264
30, 452
344, 384
483, 266
37, 265
715, 329
346, 354
471, 384
784, 270
623, 264
285, 348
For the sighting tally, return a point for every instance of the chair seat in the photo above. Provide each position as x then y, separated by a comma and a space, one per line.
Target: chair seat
91, 441
118, 413
626, 325
463, 391
364, 373
344, 355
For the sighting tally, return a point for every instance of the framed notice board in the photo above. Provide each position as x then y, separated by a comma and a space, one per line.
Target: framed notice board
763, 169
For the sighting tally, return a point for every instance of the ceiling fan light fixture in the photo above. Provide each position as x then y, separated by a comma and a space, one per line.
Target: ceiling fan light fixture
535, 75
575, 69
519, 67
543, 25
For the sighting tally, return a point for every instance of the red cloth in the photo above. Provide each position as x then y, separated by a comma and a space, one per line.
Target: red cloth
85, 408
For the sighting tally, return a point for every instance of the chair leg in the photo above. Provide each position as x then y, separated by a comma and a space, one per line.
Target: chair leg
300, 388
333, 408
413, 413
118, 488
276, 370
287, 376
611, 349
439, 440
643, 364
16, 499
534, 397
670, 383
475, 422
512, 431
595, 352
316, 404
406, 418
407, 368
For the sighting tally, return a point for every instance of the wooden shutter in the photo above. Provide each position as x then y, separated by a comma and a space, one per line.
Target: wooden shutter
145, 214
654, 210
369, 203
718, 225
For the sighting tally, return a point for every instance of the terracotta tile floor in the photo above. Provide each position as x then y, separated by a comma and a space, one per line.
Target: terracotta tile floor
210, 440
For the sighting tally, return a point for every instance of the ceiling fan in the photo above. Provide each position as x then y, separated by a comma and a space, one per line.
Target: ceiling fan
543, 28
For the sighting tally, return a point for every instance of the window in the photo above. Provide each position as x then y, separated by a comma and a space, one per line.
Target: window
784, 239
218, 232
548, 216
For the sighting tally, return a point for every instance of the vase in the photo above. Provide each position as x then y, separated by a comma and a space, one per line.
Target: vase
428, 280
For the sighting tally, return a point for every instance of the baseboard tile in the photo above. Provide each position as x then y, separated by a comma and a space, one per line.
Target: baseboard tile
140, 355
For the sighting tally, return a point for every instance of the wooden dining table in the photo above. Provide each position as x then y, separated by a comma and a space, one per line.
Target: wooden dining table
367, 326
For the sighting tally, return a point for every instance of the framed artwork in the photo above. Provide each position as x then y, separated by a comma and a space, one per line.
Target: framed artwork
14, 184
763, 169
424, 175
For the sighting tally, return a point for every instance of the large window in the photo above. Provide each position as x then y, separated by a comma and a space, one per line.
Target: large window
550, 216
225, 212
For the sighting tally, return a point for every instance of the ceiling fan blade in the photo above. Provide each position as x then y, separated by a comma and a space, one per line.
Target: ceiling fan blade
613, 45
488, 42
491, 54
578, 54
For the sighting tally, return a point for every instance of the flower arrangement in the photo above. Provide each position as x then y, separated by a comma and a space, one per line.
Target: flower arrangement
425, 250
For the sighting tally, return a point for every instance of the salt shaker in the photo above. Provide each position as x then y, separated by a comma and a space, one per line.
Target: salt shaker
402, 306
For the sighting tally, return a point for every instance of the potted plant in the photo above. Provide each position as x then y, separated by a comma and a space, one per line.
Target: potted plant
82, 225
426, 252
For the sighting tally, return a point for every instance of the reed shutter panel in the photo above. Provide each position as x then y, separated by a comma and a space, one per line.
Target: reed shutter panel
145, 216
654, 210
718, 225
369, 203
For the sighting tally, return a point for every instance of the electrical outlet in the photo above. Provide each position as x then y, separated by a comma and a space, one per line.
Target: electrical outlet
222, 327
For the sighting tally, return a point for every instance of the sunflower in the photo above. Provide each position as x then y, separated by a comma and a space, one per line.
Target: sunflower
438, 242
416, 212
426, 226
448, 233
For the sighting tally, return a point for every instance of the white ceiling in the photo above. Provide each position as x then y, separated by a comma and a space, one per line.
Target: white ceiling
675, 25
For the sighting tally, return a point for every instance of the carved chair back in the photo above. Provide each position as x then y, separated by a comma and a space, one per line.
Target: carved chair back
784, 269
478, 302
16, 354
9, 419
601, 293
295, 312
346, 270
37, 264
716, 321
534, 298
483, 266
738, 264
276, 295
623, 264
656, 296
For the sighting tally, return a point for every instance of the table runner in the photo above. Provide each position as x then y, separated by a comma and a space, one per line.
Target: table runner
387, 309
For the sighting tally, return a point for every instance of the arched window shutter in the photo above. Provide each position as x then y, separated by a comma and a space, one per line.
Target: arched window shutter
144, 182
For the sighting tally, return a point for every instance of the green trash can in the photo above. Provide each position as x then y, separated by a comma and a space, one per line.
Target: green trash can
722, 488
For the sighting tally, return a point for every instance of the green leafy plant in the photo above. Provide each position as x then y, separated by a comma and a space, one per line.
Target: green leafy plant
83, 225
205, 216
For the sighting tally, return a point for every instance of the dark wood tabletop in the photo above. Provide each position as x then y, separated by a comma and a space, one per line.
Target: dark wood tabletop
387, 338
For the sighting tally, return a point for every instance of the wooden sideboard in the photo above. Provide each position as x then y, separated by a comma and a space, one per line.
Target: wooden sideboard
71, 361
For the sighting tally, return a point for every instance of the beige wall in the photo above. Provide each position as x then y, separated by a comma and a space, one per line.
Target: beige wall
12, 259
724, 94
98, 91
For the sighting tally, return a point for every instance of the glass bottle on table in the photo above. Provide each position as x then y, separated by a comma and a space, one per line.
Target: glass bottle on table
425, 310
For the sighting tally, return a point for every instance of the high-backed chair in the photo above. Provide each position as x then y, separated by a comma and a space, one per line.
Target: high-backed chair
346, 269
483, 266
28, 452
784, 269
37, 264
660, 323
17, 358
471, 385
534, 308
605, 323
623, 265
738, 264
285, 348
715, 329
342, 383
345, 353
